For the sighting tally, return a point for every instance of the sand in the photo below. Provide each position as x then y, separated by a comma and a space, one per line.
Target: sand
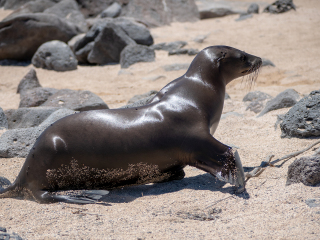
269, 209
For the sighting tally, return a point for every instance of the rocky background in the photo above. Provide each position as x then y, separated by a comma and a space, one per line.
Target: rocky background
62, 56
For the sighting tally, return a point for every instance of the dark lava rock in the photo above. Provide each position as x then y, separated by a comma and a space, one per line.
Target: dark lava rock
21, 36
69, 10
112, 11
285, 99
158, 13
244, 16
109, 40
303, 119
3, 119
189, 51
176, 67
28, 117
305, 170
132, 54
217, 9
256, 96
7, 236
35, 97
75, 100
36, 6
253, 8
12, 4
91, 8
18, 142
29, 81
226, 96
55, 55
171, 46
137, 31
280, 6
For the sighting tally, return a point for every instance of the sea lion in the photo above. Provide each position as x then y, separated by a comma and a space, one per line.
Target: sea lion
105, 149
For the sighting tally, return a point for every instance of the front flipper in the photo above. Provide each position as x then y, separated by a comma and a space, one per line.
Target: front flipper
85, 197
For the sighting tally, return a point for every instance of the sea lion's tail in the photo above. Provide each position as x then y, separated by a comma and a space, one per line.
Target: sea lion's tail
10, 190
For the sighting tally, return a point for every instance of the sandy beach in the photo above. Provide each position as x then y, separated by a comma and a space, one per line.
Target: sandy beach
175, 210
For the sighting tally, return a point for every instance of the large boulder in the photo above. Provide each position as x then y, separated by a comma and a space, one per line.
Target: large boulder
36, 6
109, 40
75, 100
18, 142
132, 54
158, 13
285, 99
55, 55
305, 170
303, 119
12, 4
137, 31
35, 97
22, 35
28, 117
69, 10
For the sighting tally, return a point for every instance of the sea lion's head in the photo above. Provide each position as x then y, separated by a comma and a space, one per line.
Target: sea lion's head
233, 63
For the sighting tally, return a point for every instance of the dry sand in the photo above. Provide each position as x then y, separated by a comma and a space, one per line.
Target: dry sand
269, 210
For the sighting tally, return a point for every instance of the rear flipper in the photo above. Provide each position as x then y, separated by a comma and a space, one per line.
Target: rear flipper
85, 197
237, 178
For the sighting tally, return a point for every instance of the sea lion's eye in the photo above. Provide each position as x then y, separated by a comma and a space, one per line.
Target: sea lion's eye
243, 58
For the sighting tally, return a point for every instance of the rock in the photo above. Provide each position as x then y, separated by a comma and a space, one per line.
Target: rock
28, 117
22, 35
75, 39
136, 98
217, 9
253, 8
280, 6
69, 10
36, 6
35, 97
244, 16
82, 54
158, 13
313, 202
3, 120
176, 67
305, 170
28, 82
132, 54
12, 4
91, 8
255, 106
285, 99
7, 236
18, 142
137, 31
200, 38
226, 96
109, 40
171, 46
55, 55
190, 51
267, 62
112, 11
75, 100
256, 96
303, 119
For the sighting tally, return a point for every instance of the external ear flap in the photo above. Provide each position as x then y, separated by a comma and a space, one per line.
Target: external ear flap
223, 55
